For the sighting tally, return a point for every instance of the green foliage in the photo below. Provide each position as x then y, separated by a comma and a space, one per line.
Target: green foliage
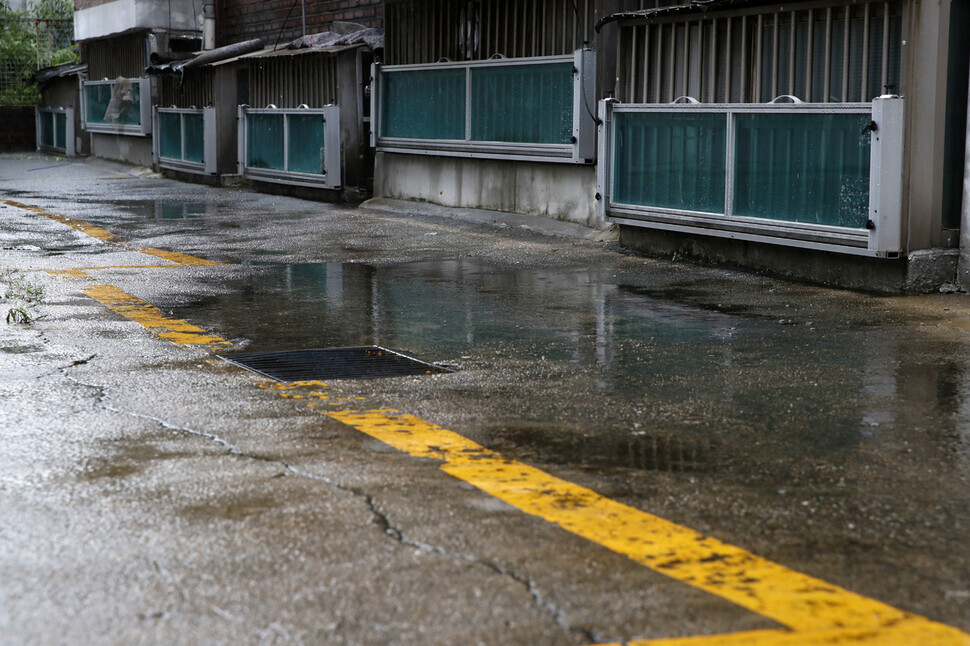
29, 40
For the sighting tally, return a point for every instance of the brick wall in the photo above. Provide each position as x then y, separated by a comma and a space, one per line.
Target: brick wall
240, 20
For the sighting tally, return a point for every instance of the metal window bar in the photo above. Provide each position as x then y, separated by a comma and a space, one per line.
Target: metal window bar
829, 54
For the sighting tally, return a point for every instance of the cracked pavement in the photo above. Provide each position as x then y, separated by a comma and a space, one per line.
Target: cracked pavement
151, 493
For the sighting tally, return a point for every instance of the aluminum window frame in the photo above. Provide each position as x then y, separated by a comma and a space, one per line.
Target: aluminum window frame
330, 178
209, 154
582, 150
142, 129
882, 236
68, 148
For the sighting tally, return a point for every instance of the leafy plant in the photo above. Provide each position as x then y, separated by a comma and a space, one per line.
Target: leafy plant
22, 293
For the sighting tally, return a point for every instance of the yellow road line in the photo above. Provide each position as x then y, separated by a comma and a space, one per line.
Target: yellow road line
78, 225
131, 307
802, 603
178, 258
104, 235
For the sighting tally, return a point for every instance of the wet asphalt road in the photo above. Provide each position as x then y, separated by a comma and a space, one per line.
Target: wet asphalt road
151, 493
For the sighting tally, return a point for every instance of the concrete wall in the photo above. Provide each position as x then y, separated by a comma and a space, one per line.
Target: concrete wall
101, 18
554, 190
924, 271
136, 151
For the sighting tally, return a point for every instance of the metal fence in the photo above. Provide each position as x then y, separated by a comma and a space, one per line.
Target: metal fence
27, 45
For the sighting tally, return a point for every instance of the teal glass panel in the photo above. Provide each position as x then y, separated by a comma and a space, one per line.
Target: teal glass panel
423, 104
811, 168
264, 133
306, 143
194, 138
117, 103
60, 130
97, 98
673, 160
170, 135
523, 103
47, 129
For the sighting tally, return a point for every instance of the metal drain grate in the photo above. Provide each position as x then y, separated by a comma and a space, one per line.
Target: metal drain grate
363, 362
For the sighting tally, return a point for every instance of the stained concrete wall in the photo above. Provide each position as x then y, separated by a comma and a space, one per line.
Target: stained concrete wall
554, 190
101, 18
136, 151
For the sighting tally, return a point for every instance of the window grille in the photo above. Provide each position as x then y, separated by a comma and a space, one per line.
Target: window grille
838, 54
291, 81
419, 31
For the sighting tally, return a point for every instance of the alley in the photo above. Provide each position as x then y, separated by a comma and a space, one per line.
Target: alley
626, 450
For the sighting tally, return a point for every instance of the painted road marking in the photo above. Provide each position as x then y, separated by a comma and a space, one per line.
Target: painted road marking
78, 225
179, 259
131, 307
814, 611
175, 330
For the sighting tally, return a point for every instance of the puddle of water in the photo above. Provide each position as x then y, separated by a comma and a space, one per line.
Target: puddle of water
21, 349
641, 451
824, 388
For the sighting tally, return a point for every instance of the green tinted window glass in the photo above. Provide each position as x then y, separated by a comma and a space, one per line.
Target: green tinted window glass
523, 103
811, 168
194, 138
170, 135
306, 143
117, 103
423, 104
264, 134
670, 160
97, 98
47, 129
60, 130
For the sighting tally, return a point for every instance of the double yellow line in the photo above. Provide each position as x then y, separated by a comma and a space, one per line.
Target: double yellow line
810, 611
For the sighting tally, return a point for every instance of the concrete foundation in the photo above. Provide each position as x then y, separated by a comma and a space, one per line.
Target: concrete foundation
131, 150
553, 190
921, 271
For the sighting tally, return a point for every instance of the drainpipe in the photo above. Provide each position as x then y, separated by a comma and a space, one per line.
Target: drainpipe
963, 268
209, 27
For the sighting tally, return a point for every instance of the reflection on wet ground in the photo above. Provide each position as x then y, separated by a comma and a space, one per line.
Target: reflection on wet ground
823, 386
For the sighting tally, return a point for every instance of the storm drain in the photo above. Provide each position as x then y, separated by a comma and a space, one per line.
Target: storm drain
362, 362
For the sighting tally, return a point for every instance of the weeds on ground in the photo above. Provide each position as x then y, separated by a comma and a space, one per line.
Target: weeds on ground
20, 294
